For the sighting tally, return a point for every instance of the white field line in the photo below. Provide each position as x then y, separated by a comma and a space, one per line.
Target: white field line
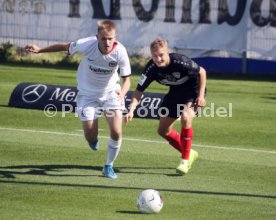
138, 140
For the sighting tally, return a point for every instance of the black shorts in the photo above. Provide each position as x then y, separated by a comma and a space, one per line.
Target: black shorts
173, 105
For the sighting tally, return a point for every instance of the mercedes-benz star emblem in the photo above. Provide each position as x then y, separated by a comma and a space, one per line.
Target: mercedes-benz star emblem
33, 93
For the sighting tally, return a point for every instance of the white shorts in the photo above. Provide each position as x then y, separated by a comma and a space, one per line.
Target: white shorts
92, 107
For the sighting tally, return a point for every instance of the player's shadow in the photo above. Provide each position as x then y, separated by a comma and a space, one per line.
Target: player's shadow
128, 212
268, 97
45, 170
100, 186
145, 170
58, 170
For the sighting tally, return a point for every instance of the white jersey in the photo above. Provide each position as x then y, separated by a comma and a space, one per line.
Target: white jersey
97, 72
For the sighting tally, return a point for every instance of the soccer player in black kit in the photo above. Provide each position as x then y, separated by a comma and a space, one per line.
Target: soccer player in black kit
187, 83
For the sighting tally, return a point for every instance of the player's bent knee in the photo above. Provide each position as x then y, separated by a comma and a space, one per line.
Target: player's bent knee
187, 115
116, 136
162, 132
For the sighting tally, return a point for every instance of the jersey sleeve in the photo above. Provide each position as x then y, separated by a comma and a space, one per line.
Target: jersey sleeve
192, 67
146, 78
81, 45
124, 64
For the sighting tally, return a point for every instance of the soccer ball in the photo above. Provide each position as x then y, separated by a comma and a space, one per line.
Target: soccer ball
150, 201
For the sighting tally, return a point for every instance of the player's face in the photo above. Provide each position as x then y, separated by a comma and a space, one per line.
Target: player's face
160, 56
106, 40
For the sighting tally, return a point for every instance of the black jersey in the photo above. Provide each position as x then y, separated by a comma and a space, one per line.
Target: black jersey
181, 74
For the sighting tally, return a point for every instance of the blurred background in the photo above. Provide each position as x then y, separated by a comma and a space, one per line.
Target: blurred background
223, 36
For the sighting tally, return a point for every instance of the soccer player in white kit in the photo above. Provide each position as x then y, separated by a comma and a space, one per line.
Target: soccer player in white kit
99, 87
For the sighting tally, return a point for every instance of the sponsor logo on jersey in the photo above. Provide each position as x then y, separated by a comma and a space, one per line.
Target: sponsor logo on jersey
113, 64
176, 75
74, 44
142, 79
194, 65
100, 71
171, 82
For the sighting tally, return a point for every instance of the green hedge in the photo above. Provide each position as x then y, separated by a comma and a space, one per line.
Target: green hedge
12, 54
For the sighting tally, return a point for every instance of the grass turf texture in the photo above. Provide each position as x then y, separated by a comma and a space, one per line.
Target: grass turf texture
54, 174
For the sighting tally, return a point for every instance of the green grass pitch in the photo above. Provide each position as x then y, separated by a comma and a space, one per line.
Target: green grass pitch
47, 171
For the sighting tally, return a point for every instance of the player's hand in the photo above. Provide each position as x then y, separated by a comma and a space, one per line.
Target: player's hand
32, 48
128, 117
200, 102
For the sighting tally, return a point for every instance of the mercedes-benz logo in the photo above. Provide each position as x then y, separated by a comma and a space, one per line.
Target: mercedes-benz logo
34, 92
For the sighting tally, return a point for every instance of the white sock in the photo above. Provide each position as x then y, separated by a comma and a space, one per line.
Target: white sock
113, 151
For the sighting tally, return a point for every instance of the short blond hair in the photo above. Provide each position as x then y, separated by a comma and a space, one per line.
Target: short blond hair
106, 25
157, 43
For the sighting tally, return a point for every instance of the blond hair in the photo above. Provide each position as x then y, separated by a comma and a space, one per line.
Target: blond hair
106, 25
157, 43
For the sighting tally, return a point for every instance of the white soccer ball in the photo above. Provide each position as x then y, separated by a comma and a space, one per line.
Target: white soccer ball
150, 201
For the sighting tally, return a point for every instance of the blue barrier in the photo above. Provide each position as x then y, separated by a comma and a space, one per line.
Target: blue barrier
235, 65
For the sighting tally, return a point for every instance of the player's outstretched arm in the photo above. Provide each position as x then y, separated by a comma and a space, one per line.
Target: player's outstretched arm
200, 101
51, 48
134, 102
